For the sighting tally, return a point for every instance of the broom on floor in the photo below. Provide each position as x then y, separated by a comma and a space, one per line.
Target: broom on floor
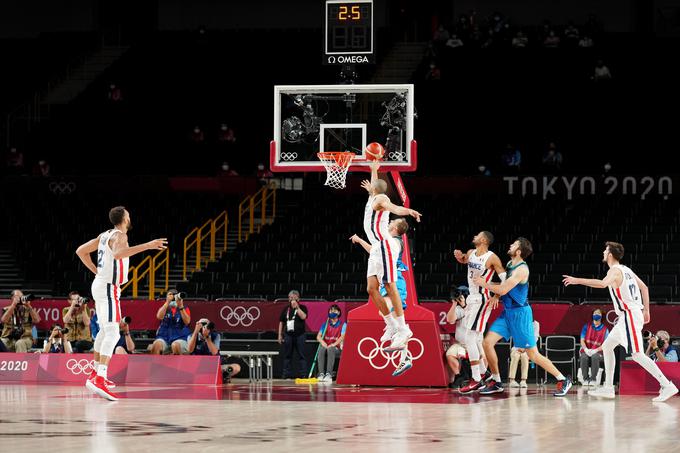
310, 379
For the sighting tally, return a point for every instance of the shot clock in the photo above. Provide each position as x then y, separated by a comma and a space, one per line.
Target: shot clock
348, 32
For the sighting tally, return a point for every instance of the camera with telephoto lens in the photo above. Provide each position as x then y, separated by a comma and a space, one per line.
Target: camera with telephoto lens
16, 333
82, 301
181, 295
26, 298
210, 325
62, 330
126, 320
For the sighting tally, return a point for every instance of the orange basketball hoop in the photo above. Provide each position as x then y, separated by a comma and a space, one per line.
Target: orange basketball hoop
336, 164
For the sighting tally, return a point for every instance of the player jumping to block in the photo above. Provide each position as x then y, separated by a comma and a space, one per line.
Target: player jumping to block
382, 261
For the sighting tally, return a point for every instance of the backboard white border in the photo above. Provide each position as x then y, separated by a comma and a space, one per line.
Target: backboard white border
410, 147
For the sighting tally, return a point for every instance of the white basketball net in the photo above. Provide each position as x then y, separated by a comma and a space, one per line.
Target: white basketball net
336, 165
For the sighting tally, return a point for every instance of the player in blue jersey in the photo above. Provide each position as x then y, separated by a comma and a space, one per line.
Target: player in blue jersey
516, 320
396, 228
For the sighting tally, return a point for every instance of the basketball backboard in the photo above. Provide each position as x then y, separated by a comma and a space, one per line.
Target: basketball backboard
309, 119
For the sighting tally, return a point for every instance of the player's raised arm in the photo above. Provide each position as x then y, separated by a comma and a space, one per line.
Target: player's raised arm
611, 279
384, 204
518, 276
461, 257
357, 240
121, 248
84, 252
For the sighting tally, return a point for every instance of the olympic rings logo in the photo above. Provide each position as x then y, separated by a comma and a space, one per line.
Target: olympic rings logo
391, 357
240, 315
82, 366
397, 155
62, 188
289, 156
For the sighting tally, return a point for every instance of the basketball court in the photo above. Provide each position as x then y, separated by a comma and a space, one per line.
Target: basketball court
285, 417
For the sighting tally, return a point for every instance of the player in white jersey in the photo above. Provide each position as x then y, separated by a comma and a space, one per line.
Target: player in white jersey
481, 262
630, 296
113, 257
382, 261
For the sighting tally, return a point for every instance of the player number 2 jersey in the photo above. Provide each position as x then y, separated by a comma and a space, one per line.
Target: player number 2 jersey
110, 270
627, 296
376, 222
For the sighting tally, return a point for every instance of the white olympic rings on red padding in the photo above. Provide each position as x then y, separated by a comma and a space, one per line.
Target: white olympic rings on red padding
240, 316
82, 366
391, 357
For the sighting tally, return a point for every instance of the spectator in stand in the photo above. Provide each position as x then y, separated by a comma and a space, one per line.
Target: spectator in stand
593, 335
660, 348
15, 161
57, 343
552, 159
571, 35
174, 329
601, 72
441, 35
330, 338
18, 319
552, 41
454, 42
125, 343
431, 52
226, 134
586, 42
520, 40
512, 159
115, 94
456, 353
77, 320
226, 170
42, 169
433, 73
292, 334
197, 135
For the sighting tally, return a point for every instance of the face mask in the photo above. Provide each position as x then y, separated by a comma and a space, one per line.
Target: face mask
597, 317
333, 315
173, 304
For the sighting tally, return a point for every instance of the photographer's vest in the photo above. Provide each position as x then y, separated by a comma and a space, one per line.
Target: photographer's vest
172, 327
594, 337
78, 330
21, 316
57, 348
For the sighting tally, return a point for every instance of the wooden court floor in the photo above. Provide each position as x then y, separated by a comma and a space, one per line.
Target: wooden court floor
284, 417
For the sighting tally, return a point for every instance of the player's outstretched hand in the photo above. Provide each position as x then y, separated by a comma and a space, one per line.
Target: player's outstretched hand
157, 244
415, 214
355, 239
568, 280
458, 254
493, 302
366, 184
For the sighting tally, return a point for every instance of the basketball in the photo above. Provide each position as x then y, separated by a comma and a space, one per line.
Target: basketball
375, 151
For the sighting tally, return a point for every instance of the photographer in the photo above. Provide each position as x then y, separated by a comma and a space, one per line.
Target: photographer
174, 328
57, 343
205, 341
660, 349
18, 319
77, 320
456, 353
125, 344
292, 334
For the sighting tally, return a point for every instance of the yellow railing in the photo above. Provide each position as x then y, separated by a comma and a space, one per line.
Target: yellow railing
194, 241
264, 200
147, 269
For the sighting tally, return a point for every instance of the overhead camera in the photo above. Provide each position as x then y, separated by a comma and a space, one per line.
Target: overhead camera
296, 130
394, 118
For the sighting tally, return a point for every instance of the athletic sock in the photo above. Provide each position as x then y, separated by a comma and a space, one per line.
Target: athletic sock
475, 373
102, 371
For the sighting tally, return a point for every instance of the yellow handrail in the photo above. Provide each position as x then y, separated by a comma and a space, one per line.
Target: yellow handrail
262, 199
195, 239
141, 271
